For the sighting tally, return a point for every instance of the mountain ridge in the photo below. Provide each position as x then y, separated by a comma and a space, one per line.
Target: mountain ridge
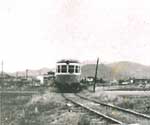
116, 70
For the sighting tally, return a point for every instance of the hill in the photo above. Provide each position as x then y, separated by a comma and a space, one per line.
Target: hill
103, 71
32, 72
130, 69
117, 70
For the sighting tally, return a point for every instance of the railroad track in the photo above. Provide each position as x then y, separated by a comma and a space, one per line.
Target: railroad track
115, 114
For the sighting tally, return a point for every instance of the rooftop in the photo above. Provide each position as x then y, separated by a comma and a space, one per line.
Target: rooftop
68, 61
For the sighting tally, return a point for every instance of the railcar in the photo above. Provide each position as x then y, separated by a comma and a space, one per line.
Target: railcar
68, 74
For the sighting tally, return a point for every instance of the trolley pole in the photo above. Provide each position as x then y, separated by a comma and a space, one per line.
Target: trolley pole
95, 79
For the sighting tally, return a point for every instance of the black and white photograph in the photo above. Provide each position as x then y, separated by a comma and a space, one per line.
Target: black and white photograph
74, 62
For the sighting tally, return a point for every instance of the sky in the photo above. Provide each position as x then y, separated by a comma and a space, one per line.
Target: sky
37, 33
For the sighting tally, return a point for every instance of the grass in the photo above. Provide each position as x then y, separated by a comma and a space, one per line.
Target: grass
40, 109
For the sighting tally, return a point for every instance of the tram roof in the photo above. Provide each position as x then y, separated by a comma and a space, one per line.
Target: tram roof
68, 61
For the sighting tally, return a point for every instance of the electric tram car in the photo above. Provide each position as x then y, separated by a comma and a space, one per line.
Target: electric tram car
68, 75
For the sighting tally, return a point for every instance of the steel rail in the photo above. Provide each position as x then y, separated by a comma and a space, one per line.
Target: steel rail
94, 111
116, 107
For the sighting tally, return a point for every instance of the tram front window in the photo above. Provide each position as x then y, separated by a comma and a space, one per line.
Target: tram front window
58, 69
77, 69
63, 68
71, 69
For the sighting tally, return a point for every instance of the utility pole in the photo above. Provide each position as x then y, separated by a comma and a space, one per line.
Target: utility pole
27, 73
2, 73
95, 78
16, 74
1, 93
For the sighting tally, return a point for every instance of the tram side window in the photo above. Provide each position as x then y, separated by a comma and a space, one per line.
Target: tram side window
77, 69
63, 68
71, 69
58, 69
